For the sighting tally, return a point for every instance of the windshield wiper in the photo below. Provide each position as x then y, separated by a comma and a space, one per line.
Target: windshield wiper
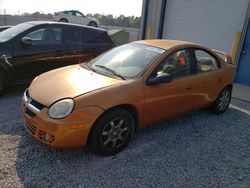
87, 66
111, 70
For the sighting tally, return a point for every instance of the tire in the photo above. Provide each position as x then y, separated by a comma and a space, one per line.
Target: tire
222, 101
112, 132
92, 24
3, 84
64, 20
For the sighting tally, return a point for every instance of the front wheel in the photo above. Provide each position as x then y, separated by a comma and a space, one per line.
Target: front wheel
93, 24
64, 20
112, 132
222, 101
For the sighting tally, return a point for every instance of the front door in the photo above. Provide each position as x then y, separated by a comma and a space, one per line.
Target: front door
45, 53
166, 100
77, 17
243, 69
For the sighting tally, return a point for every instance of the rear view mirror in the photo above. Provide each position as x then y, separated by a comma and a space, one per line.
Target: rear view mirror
26, 41
159, 78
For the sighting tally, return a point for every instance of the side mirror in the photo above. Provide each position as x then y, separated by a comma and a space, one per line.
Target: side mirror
26, 41
159, 78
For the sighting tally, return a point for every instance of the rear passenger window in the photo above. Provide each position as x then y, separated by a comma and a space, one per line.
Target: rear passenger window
73, 36
105, 38
100, 37
89, 36
205, 62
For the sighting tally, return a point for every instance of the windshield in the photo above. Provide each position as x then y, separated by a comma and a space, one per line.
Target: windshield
14, 31
127, 61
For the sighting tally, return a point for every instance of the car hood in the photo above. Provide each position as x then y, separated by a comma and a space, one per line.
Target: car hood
67, 82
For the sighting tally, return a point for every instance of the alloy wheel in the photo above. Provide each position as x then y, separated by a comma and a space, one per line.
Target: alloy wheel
224, 99
115, 133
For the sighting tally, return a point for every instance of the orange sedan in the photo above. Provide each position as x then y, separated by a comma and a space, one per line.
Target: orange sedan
103, 102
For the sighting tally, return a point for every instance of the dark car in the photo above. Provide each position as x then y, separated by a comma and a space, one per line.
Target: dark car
2, 28
31, 48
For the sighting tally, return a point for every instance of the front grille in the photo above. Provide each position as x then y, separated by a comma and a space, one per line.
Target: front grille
37, 104
31, 128
30, 113
34, 103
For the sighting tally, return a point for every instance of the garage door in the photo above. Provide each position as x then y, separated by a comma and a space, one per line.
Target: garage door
211, 23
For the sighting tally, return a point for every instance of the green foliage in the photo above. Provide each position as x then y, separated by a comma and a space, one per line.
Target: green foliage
122, 21
110, 20
38, 15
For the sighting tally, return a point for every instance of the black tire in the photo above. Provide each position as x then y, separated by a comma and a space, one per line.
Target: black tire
3, 84
64, 20
222, 102
112, 132
93, 24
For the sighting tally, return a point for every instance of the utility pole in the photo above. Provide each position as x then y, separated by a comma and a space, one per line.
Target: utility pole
5, 20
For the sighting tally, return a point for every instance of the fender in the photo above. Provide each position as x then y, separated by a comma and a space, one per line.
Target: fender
5, 68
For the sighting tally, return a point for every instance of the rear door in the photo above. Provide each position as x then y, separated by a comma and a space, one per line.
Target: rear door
77, 50
208, 79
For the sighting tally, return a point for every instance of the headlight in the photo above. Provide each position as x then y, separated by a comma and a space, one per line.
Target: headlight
61, 109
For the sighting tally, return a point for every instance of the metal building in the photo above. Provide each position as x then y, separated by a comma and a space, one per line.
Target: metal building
218, 24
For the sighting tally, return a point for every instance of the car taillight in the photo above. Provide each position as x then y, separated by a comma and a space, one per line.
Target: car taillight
56, 13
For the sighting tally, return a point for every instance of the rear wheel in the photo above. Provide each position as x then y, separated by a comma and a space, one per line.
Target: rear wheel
64, 20
3, 83
222, 101
112, 132
93, 24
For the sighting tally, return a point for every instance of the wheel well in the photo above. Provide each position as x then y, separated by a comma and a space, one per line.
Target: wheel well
5, 74
130, 108
92, 22
230, 86
64, 19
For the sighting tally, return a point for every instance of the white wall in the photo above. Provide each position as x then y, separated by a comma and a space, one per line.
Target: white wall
208, 22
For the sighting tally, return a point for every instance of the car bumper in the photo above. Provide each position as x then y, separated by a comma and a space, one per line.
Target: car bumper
72, 131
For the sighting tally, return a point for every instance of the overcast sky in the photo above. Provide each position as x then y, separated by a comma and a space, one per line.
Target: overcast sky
115, 7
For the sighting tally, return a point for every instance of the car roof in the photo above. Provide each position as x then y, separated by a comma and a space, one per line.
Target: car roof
4, 26
70, 11
166, 44
67, 24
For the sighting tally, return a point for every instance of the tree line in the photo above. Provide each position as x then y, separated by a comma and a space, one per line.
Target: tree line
121, 21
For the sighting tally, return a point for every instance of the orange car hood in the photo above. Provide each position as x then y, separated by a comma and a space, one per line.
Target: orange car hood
67, 82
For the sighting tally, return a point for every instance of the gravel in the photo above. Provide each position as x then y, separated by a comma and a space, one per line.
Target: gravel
196, 150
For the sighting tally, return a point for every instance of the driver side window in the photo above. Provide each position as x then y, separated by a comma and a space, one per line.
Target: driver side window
78, 14
46, 36
177, 64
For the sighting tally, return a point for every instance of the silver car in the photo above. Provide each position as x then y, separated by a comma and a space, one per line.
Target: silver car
75, 16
